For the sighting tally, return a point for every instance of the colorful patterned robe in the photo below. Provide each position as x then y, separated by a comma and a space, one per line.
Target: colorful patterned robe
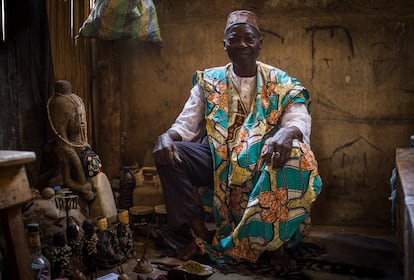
255, 207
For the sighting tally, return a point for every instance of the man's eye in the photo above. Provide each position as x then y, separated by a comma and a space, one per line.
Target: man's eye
231, 40
250, 39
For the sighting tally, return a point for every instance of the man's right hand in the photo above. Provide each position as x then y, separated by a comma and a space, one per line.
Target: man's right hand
165, 151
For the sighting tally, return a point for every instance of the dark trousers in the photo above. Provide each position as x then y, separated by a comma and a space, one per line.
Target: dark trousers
178, 181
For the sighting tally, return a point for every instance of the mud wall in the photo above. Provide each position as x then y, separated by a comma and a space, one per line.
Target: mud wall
355, 57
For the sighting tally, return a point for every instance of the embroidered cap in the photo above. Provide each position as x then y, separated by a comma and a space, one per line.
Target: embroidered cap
242, 16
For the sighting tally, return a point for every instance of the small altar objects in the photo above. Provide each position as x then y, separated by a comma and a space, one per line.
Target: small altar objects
61, 257
89, 250
108, 254
124, 235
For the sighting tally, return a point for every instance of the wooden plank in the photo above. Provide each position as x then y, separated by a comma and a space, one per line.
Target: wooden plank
16, 240
405, 247
14, 186
72, 59
9, 157
14, 190
405, 167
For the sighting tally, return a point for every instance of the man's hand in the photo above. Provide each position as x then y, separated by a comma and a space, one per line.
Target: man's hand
165, 151
279, 146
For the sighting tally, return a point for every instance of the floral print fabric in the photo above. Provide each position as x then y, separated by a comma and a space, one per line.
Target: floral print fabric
256, 208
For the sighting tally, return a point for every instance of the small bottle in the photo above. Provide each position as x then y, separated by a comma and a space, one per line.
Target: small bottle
126, 185
40, 264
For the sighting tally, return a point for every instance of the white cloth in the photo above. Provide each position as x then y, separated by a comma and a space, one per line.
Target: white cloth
190, 124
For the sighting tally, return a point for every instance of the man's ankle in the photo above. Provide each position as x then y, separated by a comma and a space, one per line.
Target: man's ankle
200, 229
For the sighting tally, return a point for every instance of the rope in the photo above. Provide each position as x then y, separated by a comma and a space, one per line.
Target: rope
82, 129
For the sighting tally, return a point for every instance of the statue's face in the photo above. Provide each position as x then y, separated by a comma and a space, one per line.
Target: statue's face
102, 224
123, 217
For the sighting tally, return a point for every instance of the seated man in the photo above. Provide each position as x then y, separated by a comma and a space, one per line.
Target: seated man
256, 157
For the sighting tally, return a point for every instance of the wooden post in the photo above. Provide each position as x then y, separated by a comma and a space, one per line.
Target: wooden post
14, 191
405, 223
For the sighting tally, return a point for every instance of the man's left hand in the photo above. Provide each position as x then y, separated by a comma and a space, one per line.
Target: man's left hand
279, 146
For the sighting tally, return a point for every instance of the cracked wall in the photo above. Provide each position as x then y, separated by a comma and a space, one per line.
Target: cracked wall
355, 57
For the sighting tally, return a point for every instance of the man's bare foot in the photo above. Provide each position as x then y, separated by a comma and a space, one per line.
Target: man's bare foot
188, 252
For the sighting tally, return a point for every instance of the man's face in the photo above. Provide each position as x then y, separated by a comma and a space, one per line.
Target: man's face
242, 43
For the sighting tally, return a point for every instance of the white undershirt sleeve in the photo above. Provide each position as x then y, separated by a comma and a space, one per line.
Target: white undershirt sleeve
190, 122
297, 115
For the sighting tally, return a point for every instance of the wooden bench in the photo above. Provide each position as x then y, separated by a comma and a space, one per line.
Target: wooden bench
405, 210
14, 191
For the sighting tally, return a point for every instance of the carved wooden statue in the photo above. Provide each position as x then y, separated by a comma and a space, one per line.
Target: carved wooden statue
89, 250
108, 253
61, 257
67, 118
124, 234
74, 240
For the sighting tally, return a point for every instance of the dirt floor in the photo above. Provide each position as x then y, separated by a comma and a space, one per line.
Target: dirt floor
327, 253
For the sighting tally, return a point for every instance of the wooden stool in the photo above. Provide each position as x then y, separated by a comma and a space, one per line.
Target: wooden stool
160, 214
141, 216
14, 191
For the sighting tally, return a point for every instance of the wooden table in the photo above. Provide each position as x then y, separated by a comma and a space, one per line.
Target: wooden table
14, 191
405, 210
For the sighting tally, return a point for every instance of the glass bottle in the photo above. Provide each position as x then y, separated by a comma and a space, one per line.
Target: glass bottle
40, 264
126, 184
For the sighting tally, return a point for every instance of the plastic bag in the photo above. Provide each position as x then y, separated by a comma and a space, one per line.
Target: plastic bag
122, 19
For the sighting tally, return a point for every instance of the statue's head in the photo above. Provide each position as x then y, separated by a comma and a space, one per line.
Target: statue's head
88, 227
102, 223
123, 216
63, 86
72, 231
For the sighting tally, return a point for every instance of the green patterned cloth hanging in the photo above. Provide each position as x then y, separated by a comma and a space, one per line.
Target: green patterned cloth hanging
122, 19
